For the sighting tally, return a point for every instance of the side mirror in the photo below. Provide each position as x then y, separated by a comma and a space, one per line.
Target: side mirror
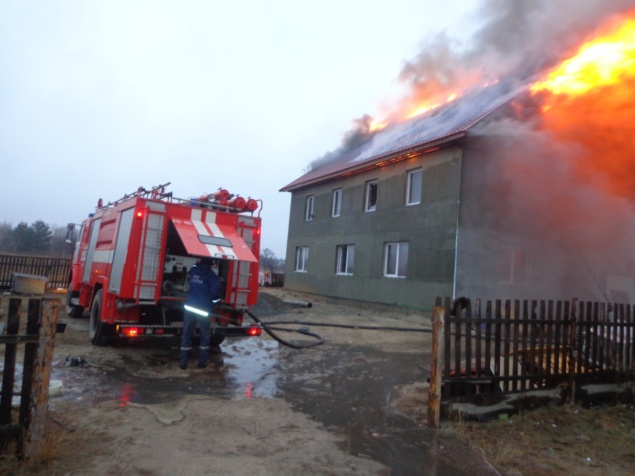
70, 228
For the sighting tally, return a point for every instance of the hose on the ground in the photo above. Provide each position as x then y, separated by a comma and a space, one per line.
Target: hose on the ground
269, 330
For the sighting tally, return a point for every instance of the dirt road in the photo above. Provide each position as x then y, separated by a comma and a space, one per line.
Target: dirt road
353, 405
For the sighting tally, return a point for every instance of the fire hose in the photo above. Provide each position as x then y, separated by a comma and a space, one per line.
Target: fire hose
269, 330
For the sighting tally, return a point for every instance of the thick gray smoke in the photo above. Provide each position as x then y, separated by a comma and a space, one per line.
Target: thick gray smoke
515, 39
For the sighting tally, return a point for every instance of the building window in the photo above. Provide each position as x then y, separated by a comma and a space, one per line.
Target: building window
413, 192
371, 196
396, 259
345, 259
512, 265
301, 258
336, 207
308, 208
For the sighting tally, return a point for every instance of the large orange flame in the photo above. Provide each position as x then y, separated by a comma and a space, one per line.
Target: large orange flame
588, 100
605, 61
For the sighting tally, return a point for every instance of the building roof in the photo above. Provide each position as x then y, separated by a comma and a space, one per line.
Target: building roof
445, 123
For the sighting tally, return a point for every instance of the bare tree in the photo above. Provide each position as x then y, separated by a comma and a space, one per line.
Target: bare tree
268, 260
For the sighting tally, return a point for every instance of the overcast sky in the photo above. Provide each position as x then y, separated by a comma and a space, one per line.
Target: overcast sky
98, 98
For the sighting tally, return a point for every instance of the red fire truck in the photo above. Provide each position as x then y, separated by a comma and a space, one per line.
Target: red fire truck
132, 257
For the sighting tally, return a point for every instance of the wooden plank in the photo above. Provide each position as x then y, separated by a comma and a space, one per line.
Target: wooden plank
571, 354
436, 370
17, 339
479, 342
488, 332
517, 369
468, 342
8, 374
32, 327
457, 344
557, 339
497, 342
447, 344
41, 378
619, 318
549, 362
630, 344
594, 336
506, 347
541, 336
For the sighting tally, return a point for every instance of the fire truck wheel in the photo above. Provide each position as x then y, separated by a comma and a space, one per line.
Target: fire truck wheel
98, 329
71, 310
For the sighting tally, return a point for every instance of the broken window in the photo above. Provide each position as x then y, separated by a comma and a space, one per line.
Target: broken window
371, 196
308, 208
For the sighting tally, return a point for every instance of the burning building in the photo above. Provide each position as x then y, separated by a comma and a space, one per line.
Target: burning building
519, 186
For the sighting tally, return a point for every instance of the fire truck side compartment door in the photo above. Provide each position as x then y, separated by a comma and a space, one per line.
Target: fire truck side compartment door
121, 250
92, 243
205, 238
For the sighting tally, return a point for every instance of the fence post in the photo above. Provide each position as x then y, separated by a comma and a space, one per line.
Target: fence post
436, 370
43, 356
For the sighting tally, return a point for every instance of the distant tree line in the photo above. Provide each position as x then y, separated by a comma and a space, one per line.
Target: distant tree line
269, 261
38, 238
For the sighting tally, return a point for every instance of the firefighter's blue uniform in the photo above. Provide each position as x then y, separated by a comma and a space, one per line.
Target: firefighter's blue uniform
204, 292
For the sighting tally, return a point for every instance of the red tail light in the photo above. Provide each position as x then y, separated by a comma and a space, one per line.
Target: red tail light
130, 331
253, 331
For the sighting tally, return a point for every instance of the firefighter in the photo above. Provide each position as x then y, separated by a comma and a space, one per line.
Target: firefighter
203, 294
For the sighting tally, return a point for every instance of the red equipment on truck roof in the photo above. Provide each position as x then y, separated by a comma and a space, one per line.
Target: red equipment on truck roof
132, 257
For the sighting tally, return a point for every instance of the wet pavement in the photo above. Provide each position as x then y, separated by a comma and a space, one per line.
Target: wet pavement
348, 389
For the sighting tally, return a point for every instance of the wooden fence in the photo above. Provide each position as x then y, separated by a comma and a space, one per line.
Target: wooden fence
26, 428
55, 269
514, 346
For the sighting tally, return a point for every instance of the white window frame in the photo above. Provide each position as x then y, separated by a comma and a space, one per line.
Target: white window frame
368, 206
336, 205
301, 259
345, 260
416, 174
400, 264
308, 207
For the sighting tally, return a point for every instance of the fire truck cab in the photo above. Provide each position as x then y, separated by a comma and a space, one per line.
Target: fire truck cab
132, 256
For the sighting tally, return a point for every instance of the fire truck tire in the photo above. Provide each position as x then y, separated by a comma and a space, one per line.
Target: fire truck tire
98, 329
71, 310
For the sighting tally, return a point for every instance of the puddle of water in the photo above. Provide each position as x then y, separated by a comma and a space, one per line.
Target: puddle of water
253, 368
246, 368
350, 390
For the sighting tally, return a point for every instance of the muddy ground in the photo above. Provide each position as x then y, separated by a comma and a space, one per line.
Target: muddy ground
354, 405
